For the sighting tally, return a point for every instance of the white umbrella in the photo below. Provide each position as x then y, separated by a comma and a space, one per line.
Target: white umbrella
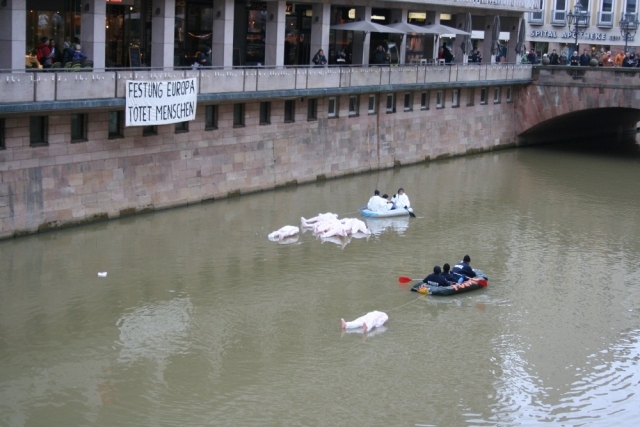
367, 27
443, 29
409, 28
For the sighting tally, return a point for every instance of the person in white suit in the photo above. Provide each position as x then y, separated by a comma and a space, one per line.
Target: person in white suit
373, 319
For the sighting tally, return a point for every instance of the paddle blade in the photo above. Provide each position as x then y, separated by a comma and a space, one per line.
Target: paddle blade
411, 214
405, 279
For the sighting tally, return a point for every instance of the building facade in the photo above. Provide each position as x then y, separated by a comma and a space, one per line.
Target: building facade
549, 28
264, 117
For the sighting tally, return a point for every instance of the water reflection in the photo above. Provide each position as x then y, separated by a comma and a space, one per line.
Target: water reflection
380, 226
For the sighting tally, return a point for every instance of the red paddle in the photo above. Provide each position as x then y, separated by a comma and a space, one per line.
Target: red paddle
405, 279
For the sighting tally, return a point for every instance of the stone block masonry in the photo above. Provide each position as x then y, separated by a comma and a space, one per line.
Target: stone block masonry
60, 183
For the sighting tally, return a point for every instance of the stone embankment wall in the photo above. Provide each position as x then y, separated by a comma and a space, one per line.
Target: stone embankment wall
63, 183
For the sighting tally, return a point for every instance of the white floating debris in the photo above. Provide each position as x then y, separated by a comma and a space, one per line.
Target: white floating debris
102, 274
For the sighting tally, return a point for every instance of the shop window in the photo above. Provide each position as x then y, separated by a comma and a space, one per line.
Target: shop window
38, 130
193, 31
211, 117
116, 124
289, 111
58, 20
354, 105
408, 101
312, 109
373, 104
332, 107
391, 103
424, 100
471, 95
182, 127
265, 113
128, 34
238, 115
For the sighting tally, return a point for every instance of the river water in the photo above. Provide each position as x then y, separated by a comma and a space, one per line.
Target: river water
201, 320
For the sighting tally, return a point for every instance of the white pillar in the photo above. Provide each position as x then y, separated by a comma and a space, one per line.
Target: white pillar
274, 43
433, 18
320, 23
13, 35
162, 28
93, 31
222, 38
361, 41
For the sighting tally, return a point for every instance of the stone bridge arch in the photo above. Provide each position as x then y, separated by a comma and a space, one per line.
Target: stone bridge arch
571, 103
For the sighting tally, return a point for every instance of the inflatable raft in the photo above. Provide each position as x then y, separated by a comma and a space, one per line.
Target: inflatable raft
478, 282
385, 214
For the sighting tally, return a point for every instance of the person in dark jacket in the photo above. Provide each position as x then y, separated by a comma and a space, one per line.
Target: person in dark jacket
554, 59
435, 279
379, 56
574, 59
448, 56
585, 58
463, 268
532, 58
319, 60
446, 273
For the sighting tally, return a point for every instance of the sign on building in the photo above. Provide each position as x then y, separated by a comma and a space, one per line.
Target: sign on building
160, 102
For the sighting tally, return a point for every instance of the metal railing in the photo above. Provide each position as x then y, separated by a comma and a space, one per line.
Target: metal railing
47, 85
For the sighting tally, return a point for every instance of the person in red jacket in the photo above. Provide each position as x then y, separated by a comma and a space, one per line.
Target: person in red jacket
43, 53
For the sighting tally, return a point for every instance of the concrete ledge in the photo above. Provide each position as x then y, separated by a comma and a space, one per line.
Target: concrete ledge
119, 103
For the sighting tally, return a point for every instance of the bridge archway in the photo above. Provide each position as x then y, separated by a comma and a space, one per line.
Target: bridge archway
584, 124
565, 103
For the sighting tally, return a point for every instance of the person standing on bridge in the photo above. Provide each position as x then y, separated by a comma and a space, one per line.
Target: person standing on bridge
619, 59
575, 59
585, 58
554, 59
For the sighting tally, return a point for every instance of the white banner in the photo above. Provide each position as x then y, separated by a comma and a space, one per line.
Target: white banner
160, 102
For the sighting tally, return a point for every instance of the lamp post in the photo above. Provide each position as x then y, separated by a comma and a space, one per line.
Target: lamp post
628, 27
579, 20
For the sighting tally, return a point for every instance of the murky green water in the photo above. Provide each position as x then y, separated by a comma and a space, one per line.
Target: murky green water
202, 320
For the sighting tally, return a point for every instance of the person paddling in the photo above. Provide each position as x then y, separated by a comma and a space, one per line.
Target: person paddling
463, 268
401, 200
435, 279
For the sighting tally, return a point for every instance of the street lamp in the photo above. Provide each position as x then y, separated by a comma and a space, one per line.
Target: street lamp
579, 20
628, 27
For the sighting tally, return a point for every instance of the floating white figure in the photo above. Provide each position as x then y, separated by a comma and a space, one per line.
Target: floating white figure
286, 231
373, 319
320, 217
102, 274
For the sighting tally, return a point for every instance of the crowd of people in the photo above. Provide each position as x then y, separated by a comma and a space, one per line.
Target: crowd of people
383, 203
49, 54
604, 58
446, 276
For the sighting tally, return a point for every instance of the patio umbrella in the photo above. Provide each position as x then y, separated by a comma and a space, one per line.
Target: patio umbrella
443, 29
466, 45
520, 46
495, 36
366, 27
409, 28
